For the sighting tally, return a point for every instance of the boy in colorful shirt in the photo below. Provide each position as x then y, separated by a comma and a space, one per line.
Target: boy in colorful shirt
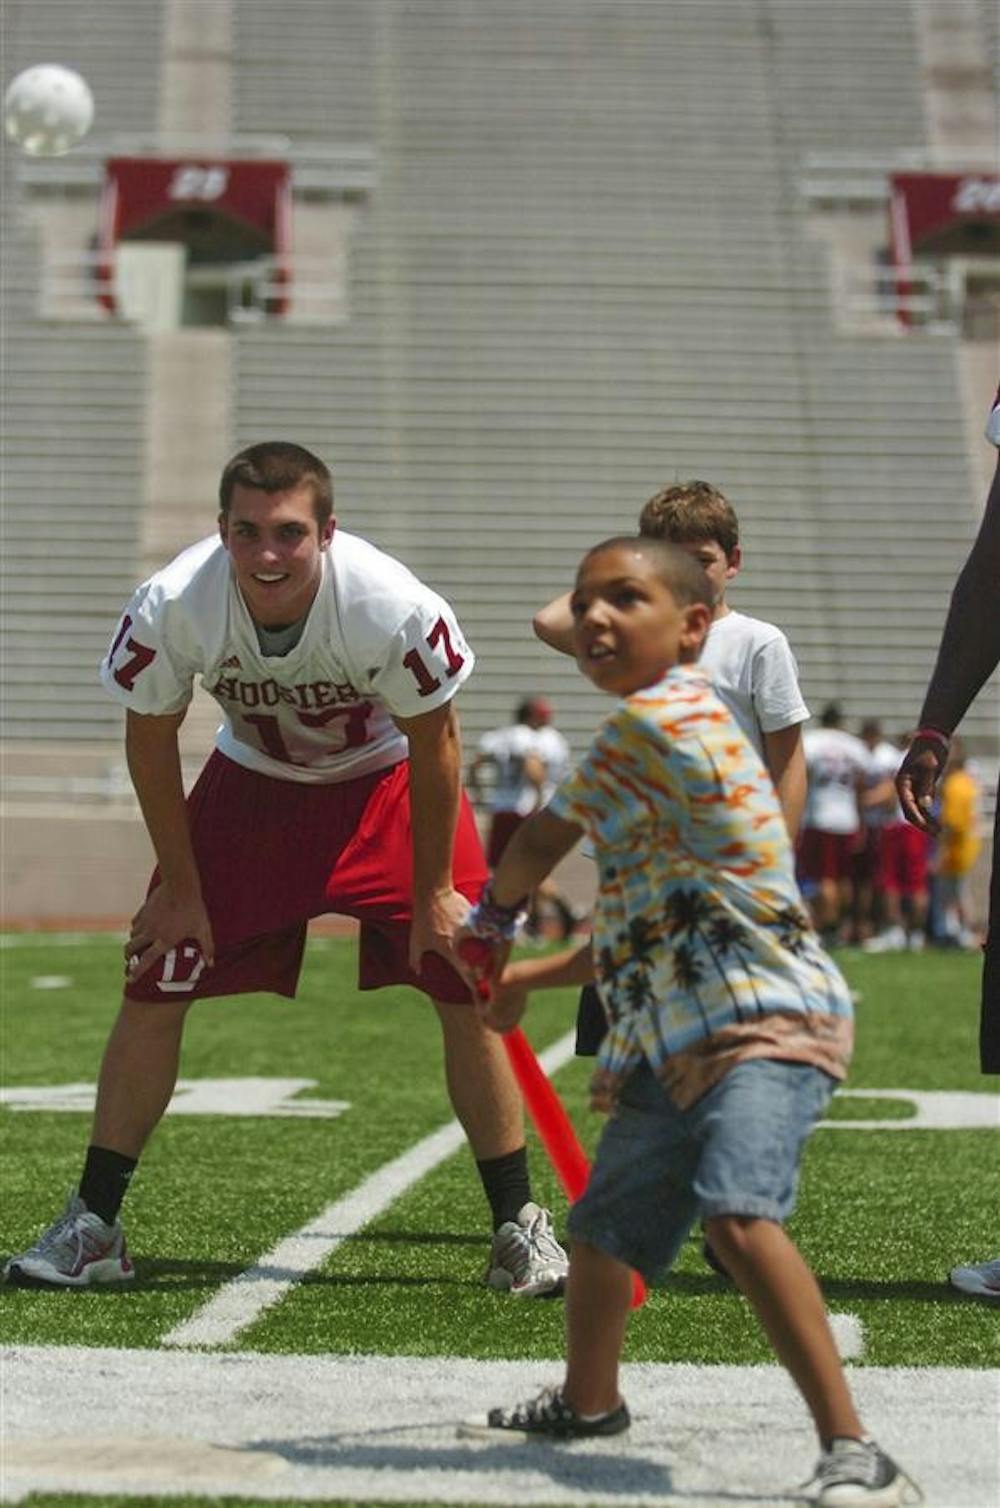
729, 1025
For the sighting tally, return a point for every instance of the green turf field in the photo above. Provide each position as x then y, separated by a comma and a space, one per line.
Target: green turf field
883, 1212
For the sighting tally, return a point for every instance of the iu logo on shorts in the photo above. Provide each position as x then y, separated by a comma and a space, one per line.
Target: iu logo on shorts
180, 969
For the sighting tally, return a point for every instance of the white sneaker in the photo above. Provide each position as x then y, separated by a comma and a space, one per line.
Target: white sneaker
916, 942
983, 1282
526, 1260
77, 1250
892, 940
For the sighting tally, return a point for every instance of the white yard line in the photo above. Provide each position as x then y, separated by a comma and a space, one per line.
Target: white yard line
368, 1428
241, 1301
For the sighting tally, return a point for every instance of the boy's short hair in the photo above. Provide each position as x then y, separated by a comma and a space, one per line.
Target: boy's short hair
678, 570
689, 512
279, 466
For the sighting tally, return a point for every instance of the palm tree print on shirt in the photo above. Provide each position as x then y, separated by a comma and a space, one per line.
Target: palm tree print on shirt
690, 914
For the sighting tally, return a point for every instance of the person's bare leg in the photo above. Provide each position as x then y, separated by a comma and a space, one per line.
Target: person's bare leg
598, 1299
138, 1074
481, 1083
768, 1268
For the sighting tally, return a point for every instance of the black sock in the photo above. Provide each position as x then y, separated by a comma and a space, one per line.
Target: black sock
104, 1182
505, 1180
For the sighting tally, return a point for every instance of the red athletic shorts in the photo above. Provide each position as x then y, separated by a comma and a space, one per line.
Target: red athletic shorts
826, 856
903, 859
273, 853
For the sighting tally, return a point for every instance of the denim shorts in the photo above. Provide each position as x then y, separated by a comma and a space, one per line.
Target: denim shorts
735, 1151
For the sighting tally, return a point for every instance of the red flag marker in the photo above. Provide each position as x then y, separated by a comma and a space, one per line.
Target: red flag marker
547, 1111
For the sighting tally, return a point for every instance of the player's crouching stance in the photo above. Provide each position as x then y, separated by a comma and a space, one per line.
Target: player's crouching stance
334, 787
728, 1025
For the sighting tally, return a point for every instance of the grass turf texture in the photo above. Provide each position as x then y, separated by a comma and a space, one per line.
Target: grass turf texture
882, 1214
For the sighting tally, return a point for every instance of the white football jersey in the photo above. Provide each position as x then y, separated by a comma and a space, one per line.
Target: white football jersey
837, 763
509, 747
376, 642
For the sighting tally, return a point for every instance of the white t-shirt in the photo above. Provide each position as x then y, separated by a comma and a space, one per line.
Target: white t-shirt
754, 672
376, 642
508, 748
835, 763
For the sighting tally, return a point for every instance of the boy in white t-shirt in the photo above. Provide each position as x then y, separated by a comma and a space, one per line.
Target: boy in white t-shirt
334, 786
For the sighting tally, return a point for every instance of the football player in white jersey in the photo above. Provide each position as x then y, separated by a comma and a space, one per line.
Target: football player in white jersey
529, 758
334, 786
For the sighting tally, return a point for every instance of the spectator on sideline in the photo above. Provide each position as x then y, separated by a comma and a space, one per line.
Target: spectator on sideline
876, 805
958, 846
529, 758
837, 765
968, 654
334, 786
728, 1024
903, 875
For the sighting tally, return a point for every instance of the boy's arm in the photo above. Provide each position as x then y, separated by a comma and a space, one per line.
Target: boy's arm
510, 994
532, 853
175, 910
554, 625
786, 762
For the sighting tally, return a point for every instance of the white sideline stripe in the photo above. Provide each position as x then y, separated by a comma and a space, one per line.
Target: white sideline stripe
321, 1428
241, 1301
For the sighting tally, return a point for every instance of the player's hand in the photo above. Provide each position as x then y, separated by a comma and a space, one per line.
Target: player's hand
480, 963
435, 927
916, 782
604, 1087
162, 921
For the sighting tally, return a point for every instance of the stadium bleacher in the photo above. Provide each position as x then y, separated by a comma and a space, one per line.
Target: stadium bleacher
587, 268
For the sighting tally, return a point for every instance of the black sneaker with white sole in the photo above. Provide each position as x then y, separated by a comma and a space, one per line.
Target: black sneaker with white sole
858, 1474
547, 1417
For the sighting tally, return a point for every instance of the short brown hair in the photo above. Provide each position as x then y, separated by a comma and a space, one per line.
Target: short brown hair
279, 466
678, 570
689, 512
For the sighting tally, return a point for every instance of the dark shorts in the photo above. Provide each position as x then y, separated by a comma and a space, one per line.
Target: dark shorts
591, 1022
273, 853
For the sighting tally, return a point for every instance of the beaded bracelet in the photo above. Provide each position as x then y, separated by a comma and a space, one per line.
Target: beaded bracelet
934, 736
491, 920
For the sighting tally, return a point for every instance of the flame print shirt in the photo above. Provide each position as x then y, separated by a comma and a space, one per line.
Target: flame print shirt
703, 949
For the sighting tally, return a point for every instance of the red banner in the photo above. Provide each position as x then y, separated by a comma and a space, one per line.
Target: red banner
143, 193
939, 215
